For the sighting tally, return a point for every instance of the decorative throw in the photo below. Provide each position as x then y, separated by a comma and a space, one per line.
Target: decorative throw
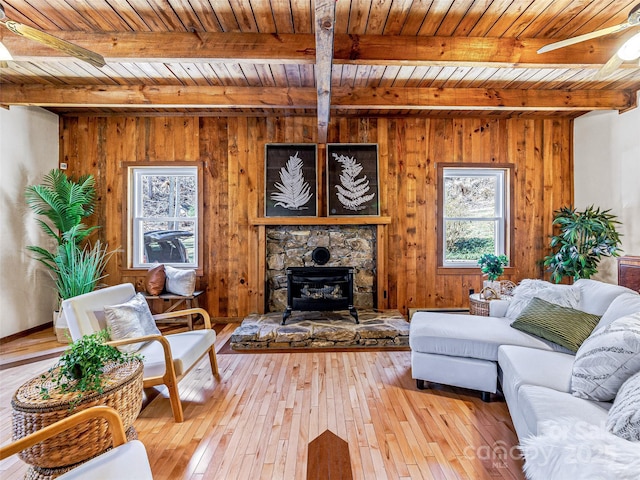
624, 416
155, 280
563, 295
180, 281
607, 359
130, 320
561, 325
569, 448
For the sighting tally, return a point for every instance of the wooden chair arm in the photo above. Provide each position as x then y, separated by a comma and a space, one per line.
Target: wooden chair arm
146, 338
108, 413
188, 311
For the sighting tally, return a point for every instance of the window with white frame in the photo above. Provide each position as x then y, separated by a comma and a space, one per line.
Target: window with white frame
164, 216
475, 214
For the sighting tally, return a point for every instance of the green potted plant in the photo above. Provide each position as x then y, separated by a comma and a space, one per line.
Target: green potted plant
89, 373
584, 238
75, 265
82, 365
492, 266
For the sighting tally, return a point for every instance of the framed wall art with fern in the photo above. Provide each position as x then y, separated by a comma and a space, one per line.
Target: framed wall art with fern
352, 179
291, 180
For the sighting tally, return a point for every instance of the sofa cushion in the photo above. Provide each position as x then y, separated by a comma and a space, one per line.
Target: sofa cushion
469, 336
186, 349
624, 304
566, 449
532, 366
607, 359
624, 416
563, 295
538, 404
561, 325
595, 296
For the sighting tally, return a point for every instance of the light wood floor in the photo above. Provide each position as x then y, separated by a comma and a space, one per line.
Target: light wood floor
257, 419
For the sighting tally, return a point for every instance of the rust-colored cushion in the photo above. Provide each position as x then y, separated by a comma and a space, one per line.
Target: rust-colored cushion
154, 282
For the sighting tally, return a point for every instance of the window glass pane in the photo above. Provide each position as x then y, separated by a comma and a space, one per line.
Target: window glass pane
470, 196
467, 240
164, 216
168, 195
168, 242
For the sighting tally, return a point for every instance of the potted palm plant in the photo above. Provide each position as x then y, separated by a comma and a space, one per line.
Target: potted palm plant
75, 265
584, 238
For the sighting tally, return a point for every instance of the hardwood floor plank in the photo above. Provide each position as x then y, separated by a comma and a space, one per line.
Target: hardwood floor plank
257, 418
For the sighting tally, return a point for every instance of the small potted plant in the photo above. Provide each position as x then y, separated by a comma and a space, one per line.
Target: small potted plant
492, 267
89, 373
83, 365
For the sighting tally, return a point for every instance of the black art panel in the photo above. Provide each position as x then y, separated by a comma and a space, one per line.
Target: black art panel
352, 179
291, 180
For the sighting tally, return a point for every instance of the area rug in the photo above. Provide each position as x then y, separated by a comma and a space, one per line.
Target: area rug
337, 331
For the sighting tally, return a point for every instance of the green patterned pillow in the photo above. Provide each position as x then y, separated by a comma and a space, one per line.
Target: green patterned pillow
562, 325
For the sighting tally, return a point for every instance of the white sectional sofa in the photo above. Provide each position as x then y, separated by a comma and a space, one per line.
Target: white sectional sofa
482, 353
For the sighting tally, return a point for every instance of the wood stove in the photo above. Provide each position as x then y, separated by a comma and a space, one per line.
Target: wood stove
319, 288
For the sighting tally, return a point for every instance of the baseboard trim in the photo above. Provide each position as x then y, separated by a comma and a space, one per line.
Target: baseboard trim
25, 333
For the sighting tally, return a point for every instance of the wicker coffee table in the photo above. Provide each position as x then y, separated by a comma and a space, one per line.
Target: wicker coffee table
51, 458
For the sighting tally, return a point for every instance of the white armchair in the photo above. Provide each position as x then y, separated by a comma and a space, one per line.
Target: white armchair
167, 358
124, 460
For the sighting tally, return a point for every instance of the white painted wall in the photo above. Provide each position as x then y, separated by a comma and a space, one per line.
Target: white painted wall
607, 174
28, 150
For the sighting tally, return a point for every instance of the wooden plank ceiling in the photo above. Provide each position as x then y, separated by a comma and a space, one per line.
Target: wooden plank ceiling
258, 57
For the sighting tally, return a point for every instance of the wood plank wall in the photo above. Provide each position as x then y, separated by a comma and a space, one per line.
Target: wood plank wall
232, 150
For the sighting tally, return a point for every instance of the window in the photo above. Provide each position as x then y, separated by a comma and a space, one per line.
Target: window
475, 214
164, 216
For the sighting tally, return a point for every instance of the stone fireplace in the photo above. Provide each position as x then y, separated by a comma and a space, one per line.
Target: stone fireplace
349, 246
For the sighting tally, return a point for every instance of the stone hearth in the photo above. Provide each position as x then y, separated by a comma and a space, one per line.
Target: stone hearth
322, 330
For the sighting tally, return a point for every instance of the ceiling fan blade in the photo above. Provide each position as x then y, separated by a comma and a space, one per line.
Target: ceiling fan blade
585, 37
49, 40
608, 68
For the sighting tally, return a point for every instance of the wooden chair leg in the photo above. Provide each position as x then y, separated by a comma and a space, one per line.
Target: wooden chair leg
213, 360
174, 398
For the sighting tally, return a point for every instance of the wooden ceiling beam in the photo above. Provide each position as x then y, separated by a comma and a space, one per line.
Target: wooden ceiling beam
325, 17
301, 49
343, 98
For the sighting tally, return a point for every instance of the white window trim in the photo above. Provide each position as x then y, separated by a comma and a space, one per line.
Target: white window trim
501, 211
136, 240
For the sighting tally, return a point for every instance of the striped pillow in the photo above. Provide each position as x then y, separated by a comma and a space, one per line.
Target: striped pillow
561, 325
623, 419
607, 359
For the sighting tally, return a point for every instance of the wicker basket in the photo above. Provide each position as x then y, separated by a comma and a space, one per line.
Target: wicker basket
123, 392
478, 306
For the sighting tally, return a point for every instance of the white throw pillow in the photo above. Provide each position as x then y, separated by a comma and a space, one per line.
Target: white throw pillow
623, 419
606, 359
563, 295
568, 448
130, 320
180, 281
624, 304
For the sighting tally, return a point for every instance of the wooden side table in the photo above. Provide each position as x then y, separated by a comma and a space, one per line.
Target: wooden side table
172, 302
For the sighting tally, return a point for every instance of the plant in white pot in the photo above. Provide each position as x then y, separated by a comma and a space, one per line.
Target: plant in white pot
492, 267
75, 265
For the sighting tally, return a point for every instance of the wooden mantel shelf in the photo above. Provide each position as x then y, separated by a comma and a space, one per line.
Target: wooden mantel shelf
364, 220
